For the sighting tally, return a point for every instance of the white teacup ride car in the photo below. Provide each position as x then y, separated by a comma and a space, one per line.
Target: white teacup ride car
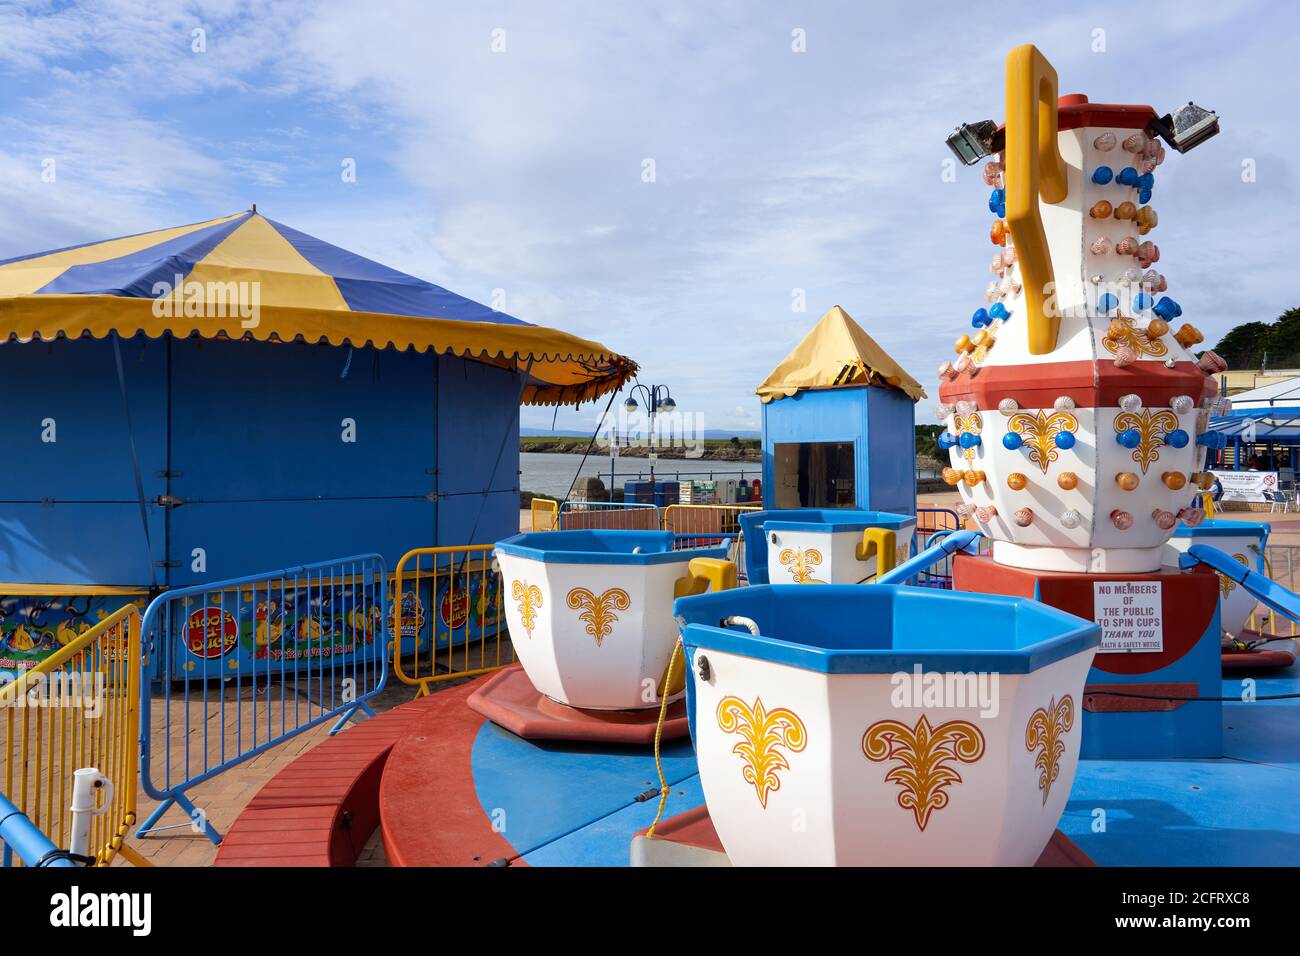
591, 612
824, 545
1245, 542
883, 725
1248, 644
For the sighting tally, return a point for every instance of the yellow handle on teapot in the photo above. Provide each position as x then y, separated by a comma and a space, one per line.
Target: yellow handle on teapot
1034, 168
881, 542
705, 573
702, 574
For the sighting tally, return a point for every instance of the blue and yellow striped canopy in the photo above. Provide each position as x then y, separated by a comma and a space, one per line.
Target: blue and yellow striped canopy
305, 290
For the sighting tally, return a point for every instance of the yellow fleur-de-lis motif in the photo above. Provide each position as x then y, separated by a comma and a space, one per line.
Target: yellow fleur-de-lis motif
923, 753
801, 562
763, 734
1226, 584
599, 613
1043, 733
974, 422
1039, 432
1152, 427
1134, 338
529, 597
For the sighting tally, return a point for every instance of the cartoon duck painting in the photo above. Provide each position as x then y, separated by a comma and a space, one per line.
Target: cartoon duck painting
267, 627
364, 621
308, 629
74, 625
21, 640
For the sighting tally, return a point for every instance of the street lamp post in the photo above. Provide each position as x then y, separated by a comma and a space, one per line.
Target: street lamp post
657, 398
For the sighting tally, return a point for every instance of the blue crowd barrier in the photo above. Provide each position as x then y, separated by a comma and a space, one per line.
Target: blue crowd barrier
245, 664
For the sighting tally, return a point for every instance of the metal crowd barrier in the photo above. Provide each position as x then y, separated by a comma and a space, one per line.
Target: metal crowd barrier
930, 521
543, 514
250, 662
77, 708
607, 515
448, 616
699, 526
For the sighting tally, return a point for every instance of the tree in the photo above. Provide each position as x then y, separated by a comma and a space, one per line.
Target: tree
926, 445
1250, 344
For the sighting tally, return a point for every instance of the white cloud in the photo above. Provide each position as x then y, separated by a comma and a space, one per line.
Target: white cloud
522, 170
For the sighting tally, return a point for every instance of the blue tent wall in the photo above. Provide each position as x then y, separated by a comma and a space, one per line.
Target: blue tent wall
879, 423
69, 512
259, 459
256, 457
478, 417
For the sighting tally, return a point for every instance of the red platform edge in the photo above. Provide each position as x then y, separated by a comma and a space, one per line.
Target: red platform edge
429, 811
694, 829
322, 808
1259, 658
510, 700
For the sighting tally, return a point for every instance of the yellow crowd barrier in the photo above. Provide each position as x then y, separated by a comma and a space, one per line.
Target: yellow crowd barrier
78, 708
544, 514
704, 525
448, 616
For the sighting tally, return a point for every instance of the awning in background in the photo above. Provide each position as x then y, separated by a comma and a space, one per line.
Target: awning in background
306, 290
837, 352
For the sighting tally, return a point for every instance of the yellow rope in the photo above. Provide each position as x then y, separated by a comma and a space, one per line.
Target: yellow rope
659, 729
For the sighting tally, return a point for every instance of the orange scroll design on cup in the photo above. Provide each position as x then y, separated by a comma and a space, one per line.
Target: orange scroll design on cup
599, 610
802, 564
1226, 584
763, 734
529, 597
1043, 733
923, 753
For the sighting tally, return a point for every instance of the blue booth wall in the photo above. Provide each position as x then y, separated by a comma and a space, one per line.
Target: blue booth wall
256, 457
879, 422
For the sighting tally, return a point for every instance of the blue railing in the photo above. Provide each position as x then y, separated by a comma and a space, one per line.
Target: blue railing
23, 838
246, 664
941, 546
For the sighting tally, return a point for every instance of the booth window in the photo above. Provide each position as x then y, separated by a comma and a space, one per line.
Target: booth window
814, 474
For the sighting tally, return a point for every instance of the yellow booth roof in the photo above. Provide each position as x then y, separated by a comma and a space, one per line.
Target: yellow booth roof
837, 352
247, 277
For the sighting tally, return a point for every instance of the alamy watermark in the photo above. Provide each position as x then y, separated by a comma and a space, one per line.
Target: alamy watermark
62, 689
662, 430
951, 689
219, 300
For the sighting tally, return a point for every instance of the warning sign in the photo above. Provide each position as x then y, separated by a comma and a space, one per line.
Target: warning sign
1129, 613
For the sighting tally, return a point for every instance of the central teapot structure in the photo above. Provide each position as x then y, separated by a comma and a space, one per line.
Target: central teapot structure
1075, 409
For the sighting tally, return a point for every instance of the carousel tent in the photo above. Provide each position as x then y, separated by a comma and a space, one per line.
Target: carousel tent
234, 396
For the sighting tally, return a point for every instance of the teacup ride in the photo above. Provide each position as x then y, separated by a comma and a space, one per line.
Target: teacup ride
1244, 647
824, 545
856, 726
590, 615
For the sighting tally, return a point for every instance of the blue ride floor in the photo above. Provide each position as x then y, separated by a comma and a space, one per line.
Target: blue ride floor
579, 805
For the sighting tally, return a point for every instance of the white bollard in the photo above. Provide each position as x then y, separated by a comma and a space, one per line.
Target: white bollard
86, 785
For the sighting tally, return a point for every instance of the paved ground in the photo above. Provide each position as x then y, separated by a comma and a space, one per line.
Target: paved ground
223, 797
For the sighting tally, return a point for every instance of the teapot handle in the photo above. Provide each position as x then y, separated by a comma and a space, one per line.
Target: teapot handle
1034, 168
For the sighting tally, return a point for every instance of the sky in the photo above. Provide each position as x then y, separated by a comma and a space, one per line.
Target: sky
691, 184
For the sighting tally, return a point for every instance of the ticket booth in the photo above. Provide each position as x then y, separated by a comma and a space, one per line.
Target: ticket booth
839, 424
